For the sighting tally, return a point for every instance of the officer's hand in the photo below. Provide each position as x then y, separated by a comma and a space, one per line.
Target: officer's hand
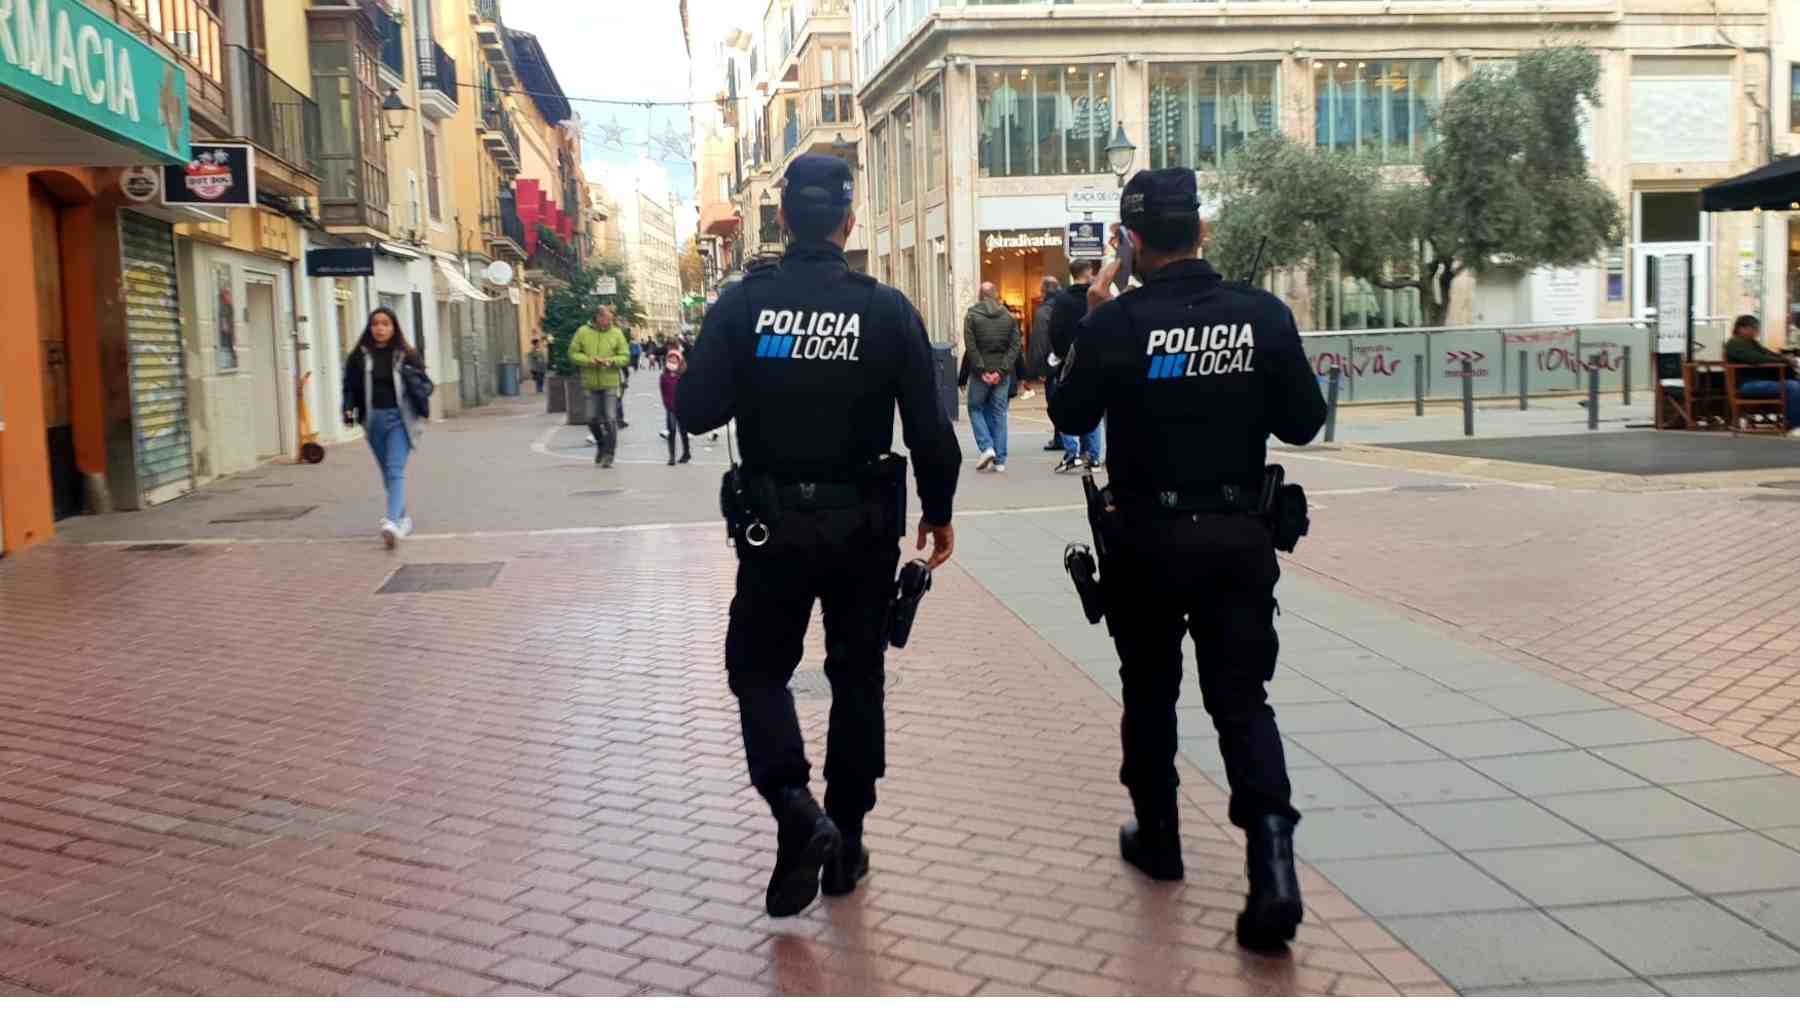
1100, 292
943, 542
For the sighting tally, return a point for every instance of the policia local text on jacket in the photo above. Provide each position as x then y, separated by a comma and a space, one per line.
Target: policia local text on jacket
810, 358
1193, 375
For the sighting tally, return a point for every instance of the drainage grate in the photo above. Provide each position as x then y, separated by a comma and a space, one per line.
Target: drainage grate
1764, 497
1791, 486
1431, 488
426, 578
157, 547
811, 683
275, 485
597, 492
1322, 448
266, 514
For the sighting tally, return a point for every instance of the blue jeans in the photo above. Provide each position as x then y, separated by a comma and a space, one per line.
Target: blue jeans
1772, 388
1090, 446
392, 444
987, 414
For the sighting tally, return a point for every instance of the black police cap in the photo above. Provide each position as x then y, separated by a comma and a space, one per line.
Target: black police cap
818, 182
1159, 193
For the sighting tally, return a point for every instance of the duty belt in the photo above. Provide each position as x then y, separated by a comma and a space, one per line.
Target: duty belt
819, 495
1221, 499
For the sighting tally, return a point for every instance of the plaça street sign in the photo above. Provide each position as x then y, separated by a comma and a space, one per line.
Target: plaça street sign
1094, 199
1085, 241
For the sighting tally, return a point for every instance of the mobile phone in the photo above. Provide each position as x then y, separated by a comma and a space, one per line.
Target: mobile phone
1122, 280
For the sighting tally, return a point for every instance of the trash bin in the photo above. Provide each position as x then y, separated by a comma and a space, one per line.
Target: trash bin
509, 379
944, 356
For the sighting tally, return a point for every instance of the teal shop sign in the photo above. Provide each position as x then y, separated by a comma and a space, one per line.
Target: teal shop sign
63, 59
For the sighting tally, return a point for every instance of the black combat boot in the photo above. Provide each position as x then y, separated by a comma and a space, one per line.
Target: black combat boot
1273, 910
1152, 842
806, 839
842, 873
599, 441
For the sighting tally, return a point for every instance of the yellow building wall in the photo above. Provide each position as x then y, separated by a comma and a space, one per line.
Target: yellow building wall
285, 22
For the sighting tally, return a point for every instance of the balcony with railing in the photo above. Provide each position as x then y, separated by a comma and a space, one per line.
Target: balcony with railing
393, 41
353, 176
490, 32
437, 84
504, 231
274, 115
810, 18
188, 32
498, 133
553, 257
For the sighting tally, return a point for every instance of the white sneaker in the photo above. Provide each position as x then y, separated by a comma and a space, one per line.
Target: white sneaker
390, 533
986, 461
663, 435
1028, 394
590, 440
999, 469
406, 526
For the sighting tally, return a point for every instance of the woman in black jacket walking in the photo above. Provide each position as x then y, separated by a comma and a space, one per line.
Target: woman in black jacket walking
376, 395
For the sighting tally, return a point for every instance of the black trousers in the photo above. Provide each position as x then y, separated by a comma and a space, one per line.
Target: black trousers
845, 560
1210, 577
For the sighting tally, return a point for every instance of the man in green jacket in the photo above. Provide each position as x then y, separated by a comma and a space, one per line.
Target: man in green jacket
1745, 350
601, 352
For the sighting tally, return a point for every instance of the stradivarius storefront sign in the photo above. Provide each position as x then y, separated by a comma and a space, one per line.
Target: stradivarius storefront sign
63, 59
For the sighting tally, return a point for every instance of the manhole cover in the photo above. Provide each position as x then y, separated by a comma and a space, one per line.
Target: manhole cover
597, 492
157, 547
1794, 486
811, 683
1763, 497
1431, 488
266, 514
426, 578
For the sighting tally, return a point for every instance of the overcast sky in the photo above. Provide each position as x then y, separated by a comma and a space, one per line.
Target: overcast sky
629, 50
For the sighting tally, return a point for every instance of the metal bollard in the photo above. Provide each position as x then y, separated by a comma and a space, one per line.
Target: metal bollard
1419, 386
1331, 391
1594, 393
1625, 367
1468, 379
1524, 381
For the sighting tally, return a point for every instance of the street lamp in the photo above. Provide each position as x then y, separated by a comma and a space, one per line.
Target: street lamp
1120, 153
393, 112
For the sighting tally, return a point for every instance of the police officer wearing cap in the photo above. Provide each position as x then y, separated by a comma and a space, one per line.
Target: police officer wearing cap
1193, 375
810, 358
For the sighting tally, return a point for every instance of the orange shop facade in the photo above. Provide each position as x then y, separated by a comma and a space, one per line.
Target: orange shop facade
76, 377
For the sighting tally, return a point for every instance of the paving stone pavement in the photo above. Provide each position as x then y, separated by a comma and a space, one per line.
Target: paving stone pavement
236, 769
1516, 831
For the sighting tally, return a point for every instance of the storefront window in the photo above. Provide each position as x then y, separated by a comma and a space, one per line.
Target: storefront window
934, 138
1794, 97
1343, 303
1669, 217
1381, 108
903, 146
1201, 113
1044, 121
878, 167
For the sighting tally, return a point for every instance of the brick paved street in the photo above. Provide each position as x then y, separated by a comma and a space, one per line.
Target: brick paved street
231, 766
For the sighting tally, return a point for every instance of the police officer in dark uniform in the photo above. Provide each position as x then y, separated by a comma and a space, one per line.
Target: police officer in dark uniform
810, 358
1193, 375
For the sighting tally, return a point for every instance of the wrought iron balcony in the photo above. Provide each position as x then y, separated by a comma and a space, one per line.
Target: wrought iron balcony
437, 84
272, 113
498, 133
188, 32
393, 40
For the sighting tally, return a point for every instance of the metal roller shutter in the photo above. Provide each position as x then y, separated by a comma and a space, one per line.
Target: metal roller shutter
159, 403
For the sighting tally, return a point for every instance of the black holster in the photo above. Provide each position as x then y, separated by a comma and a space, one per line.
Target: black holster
1283, 506
1084, 565
746, 513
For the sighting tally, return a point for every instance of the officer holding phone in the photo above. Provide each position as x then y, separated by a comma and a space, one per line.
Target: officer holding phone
1193, 375
811, 359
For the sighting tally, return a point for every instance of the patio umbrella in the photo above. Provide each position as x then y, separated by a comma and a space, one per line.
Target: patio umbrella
1774, 187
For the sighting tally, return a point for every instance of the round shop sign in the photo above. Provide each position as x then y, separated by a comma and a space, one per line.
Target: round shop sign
141, 182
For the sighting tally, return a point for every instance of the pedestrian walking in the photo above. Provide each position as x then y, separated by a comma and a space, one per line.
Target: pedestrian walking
811, 358
600, 350
1193, 375
538, 362
1039, 345
1081, 454
991, 336
387, 392
670, 381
